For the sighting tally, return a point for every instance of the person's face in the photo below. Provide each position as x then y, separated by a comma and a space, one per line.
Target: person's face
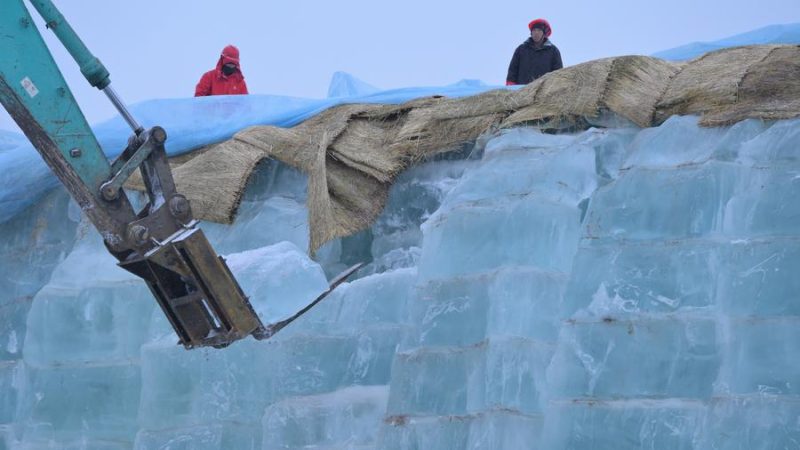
537, 34
228, 68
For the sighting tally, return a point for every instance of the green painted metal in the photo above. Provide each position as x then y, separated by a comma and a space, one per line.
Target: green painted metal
91, 67
31, 75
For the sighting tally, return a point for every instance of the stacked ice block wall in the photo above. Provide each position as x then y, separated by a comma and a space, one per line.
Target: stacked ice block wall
613, 288
682, 326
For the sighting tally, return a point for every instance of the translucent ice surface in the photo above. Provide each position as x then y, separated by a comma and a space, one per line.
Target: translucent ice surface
615, 288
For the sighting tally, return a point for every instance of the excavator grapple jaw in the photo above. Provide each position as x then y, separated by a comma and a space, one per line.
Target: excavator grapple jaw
196, 290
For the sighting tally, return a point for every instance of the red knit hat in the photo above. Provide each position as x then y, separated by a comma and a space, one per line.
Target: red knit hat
543, 24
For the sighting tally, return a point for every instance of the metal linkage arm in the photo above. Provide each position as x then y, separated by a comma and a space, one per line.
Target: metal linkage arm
194, 287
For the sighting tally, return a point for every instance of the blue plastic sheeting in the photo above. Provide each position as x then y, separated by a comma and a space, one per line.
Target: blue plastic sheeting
192, 123
773, 34
345, 85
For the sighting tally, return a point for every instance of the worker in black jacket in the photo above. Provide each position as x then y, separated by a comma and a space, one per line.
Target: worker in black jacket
534, 57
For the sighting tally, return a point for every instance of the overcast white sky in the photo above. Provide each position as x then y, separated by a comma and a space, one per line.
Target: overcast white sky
159, 48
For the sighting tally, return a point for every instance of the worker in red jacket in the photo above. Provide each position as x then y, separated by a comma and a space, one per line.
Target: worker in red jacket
226, 79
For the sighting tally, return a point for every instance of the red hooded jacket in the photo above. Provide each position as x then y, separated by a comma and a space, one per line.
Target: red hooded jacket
214, 82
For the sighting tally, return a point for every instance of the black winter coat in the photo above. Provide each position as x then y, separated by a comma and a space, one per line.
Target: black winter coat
529, 62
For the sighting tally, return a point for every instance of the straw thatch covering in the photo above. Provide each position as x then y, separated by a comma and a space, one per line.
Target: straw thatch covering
352, 153
730, 85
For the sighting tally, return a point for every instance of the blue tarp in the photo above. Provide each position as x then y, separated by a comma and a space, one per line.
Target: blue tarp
194, 122
773, 34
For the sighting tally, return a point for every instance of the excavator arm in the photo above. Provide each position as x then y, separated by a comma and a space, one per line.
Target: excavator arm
162, 243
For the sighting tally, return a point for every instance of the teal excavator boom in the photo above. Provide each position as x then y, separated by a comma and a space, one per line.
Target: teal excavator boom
162, 243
